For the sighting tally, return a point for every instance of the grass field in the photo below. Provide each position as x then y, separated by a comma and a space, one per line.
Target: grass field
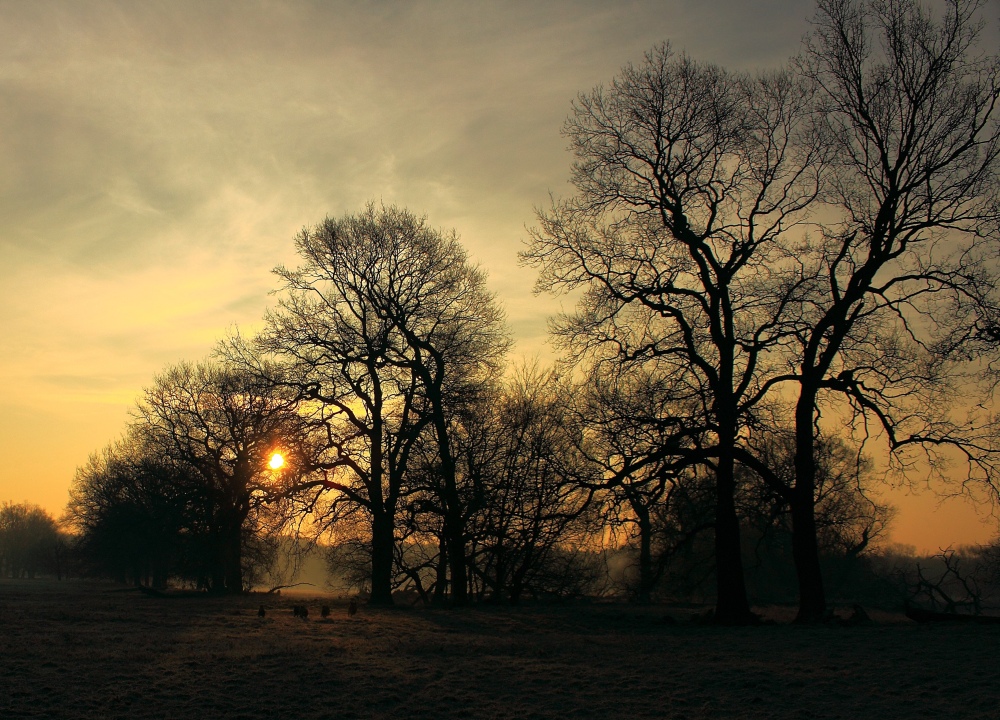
79, 649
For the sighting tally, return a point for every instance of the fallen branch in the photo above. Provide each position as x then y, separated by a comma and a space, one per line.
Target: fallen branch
931, 616
278, 588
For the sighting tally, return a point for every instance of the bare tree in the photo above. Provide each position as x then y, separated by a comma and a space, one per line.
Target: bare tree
638, 433
521, 458
954, 587
134, 515
688, 182
908, 107
454, 343
384, 327
849, 514
222, 425
851, 519
336, 348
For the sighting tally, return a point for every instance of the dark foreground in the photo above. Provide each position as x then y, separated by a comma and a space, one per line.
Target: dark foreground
81, 650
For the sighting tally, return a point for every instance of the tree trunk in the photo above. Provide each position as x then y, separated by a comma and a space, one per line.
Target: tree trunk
500, 575
455, 538
645, 555
234, 557
441, 582
159, 574
732, 606
217, 556
805, 548
454, 521
382, 546
516, 589
454, 525
218, 579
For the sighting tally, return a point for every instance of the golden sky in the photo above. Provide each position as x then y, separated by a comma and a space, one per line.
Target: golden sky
157, 159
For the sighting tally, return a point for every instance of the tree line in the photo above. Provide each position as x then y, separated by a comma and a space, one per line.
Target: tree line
773, 274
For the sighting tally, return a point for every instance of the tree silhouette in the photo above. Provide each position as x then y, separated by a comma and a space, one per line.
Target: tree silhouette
134, 514
29, 541
220, 425
385, 327
639, 432
909, 269
521, 459
688, 181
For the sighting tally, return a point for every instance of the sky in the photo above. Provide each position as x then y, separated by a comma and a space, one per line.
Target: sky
158, 158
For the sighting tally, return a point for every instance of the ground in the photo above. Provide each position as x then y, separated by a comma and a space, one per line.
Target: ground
80, 649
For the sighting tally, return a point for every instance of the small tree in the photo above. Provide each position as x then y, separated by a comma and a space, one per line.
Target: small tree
133, 513
521, 463
850, 518
638, 434
29, 541
219, 425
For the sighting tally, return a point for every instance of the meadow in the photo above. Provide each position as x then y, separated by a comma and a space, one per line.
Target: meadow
84, 649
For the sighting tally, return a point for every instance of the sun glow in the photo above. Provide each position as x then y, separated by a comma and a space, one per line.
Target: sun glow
277, 461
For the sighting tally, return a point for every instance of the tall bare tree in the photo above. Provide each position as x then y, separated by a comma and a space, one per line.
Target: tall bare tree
454, 342
688, 182
908, 107
386, 326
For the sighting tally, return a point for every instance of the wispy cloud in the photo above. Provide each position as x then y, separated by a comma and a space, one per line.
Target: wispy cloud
157, 159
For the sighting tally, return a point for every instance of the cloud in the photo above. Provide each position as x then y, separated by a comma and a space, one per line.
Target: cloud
157, 159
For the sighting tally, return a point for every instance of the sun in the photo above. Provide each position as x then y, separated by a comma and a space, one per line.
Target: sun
277, 461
